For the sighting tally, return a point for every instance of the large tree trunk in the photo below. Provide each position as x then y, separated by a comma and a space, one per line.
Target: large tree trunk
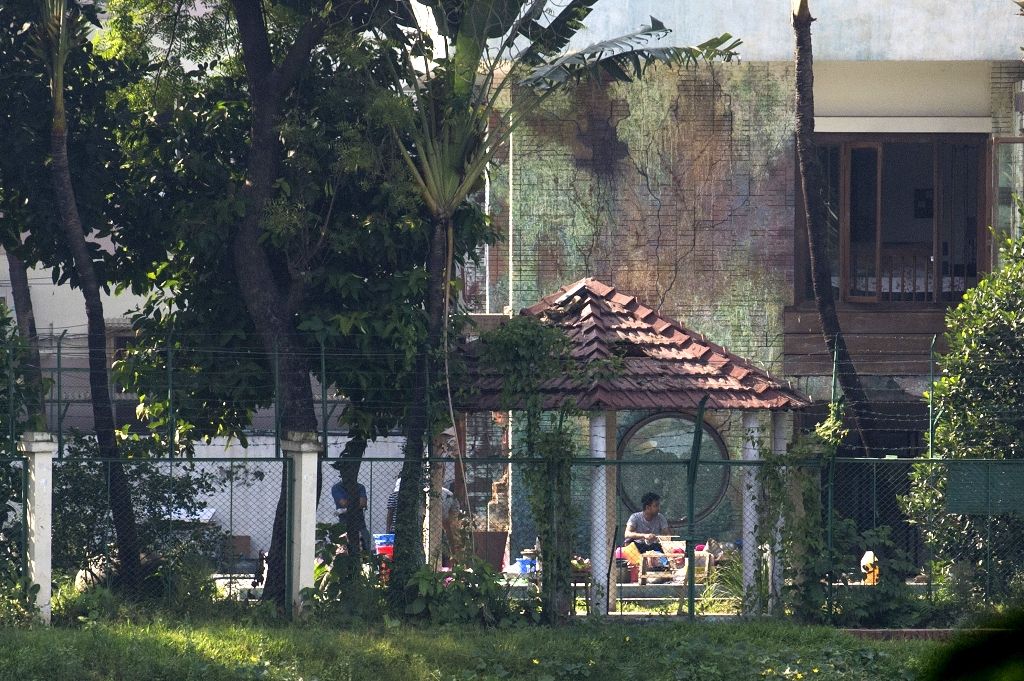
26, 315
409, 514
298, 415
270, 304
270, 314
121, 506
812, 185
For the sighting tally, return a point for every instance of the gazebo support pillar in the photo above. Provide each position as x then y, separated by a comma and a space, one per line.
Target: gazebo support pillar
602, 510
751, 498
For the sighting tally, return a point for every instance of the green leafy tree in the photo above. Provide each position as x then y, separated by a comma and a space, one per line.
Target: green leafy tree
340, 231
979, 415
48, 55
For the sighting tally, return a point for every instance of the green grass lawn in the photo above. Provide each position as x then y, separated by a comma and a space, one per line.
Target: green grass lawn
215, 651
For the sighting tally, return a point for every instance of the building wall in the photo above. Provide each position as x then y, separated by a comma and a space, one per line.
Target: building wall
60, 308
922, 30
679, 190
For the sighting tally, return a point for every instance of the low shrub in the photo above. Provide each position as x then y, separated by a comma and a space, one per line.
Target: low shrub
345, 587
72, 606
471, 592
17, 603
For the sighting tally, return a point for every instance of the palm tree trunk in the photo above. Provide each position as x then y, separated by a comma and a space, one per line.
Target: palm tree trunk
812, 185
409, 514
121, 506
25, 313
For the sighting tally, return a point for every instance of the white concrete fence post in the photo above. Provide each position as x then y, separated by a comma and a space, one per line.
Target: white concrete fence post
39, 450
303, 449
602, 510
750, 551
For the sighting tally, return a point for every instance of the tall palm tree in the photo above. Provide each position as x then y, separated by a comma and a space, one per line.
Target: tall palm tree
61, 30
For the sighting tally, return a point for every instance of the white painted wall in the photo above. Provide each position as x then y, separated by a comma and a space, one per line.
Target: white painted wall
61, 307
876, 30
247, 508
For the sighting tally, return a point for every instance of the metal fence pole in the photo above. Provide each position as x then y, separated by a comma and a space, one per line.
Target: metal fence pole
289, 531
931, 444
691, 510
277, 402
11, 444
231, 524
931, 398
874, 495
323, 396
988, 532
831, 555
831, 485
171, 427
60, 394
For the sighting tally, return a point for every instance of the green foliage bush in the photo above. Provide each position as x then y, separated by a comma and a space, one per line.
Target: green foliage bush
824, 584
179, 555
979, 403
17, 603
345, 587
471, 593
74, 606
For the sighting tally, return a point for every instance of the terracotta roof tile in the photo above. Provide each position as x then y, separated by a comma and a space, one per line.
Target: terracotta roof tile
666, 366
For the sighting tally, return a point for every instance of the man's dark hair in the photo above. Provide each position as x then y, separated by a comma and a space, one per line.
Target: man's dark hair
649, 498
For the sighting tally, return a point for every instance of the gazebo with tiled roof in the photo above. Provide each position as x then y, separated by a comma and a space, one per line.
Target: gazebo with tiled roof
666, 367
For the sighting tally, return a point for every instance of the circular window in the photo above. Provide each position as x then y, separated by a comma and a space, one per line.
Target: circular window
668, 438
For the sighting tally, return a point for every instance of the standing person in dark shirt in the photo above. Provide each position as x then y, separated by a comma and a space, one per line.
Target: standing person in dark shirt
351, 510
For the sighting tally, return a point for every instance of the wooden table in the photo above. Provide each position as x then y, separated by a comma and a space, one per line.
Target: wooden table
581, 580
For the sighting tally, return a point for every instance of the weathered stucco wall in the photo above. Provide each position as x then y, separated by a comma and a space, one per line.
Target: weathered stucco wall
678, 190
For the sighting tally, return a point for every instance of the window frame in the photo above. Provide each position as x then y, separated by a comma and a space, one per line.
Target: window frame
986, 187
845, 261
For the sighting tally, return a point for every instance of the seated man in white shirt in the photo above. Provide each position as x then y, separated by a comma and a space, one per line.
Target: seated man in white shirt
643, 527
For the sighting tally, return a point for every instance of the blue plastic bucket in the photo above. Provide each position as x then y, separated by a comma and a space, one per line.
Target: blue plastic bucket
526, 565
